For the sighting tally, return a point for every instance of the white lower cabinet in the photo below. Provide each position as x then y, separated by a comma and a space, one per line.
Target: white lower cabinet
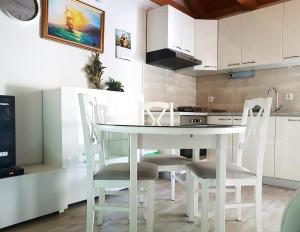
221, 120
249, 155
287, 148
282, 154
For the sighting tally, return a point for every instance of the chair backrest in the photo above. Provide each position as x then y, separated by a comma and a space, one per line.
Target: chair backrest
161, 107
92, 113
257, 129
290, 220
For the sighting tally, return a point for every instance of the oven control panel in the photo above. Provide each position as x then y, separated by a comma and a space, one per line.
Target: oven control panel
193, 120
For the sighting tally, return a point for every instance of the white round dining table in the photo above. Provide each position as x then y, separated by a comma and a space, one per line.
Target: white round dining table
178, 137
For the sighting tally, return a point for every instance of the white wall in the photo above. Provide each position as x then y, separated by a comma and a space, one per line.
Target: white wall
29, 64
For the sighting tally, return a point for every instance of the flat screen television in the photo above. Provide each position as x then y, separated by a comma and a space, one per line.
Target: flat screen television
7, 132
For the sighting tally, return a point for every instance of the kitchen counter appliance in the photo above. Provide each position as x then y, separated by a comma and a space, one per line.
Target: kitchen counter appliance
192, 119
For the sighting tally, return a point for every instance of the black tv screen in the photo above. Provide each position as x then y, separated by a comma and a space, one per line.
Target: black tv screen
7, 132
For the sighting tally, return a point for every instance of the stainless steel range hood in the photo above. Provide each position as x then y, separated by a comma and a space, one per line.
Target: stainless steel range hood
169, 59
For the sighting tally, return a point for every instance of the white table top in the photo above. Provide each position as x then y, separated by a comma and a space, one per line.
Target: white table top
164, 129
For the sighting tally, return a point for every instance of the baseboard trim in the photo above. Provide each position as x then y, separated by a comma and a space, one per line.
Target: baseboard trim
283, 183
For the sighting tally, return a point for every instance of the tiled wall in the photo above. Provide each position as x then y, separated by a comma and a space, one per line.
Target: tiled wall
231, 94
167, 86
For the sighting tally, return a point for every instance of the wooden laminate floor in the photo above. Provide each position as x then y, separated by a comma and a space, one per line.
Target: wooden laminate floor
169, 215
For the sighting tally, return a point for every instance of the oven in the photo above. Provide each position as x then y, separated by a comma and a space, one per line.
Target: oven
193, 119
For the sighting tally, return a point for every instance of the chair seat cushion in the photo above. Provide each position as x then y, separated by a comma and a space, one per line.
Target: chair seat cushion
164, 160
121, 171
207, 170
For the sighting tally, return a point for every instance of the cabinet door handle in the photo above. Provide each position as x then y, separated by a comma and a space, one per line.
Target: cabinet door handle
234, 64
294, 120
238, 119
209, 66
177, 47
187, 50
224, 119
249, 62
290, 57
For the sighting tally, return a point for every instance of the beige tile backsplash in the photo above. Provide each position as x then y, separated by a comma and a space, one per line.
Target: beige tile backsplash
165, 85
231, 94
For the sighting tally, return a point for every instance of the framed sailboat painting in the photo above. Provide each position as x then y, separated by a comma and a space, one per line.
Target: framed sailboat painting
75, 23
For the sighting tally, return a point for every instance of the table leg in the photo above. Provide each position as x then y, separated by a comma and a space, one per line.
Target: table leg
220, 188
195, 183
196, 154
133, 183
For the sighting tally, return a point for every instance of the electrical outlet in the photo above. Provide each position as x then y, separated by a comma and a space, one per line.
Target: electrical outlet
210, 99
289, 97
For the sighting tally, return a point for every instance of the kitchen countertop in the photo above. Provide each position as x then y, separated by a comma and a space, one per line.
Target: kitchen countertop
280, 114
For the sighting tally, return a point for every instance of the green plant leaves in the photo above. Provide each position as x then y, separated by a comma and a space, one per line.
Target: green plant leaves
94, 70
114, 84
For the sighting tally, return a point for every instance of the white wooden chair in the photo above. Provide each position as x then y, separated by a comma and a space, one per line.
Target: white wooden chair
204, 172
101, 176
167, 162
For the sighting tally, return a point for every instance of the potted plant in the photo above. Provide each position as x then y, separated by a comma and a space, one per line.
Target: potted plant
94, 70
114, 85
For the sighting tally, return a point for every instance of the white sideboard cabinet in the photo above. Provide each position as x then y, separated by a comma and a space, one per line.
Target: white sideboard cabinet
63, 138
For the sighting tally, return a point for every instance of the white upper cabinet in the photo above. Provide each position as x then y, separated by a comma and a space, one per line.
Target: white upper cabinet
174, 29
206, 43
230, 42
187, 42
262, 36
168, 27
291, 32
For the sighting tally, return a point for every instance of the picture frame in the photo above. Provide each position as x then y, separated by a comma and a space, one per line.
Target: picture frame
74, 23
123, 43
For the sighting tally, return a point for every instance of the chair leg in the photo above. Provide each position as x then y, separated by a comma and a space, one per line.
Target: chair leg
150, 206
101, 202
195, 196
90, 212
173, 186
145, 201
204, 206
191, 193
258, 207
187, 192
238, 199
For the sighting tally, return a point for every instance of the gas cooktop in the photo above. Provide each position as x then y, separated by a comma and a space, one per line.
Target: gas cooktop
188, 109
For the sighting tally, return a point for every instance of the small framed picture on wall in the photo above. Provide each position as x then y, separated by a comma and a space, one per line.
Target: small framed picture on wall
123, 44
